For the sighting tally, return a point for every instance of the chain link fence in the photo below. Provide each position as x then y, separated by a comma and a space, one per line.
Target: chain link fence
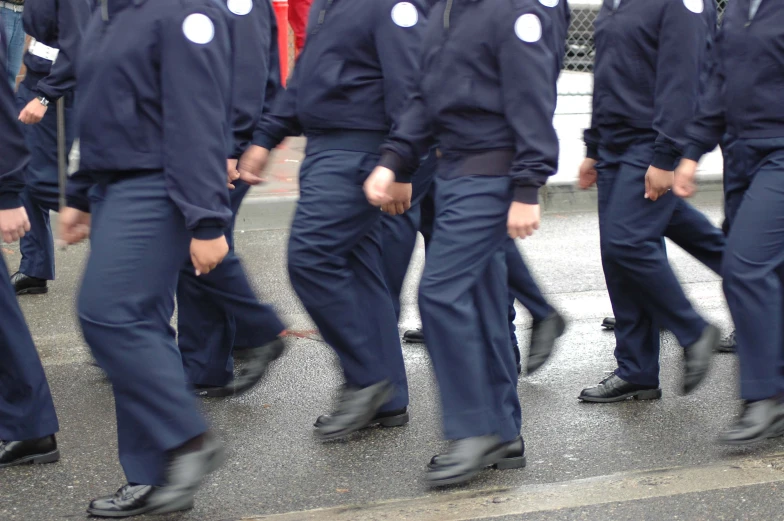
580, 49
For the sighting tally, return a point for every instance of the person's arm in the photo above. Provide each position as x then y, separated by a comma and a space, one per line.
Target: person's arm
195, 82
528, 59
705, 131
72, 17
682, 49
14, 156
280, 121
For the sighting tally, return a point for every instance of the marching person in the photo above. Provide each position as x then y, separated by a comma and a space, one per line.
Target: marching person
744, 109
645, 89
220, 310
498, 146
349, 87
28, 421
56, 29
548, 324
153, 113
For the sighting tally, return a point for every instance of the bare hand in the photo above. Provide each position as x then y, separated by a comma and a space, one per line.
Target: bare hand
658, 182
74, 226
33, 112
14, 224
377, 186
401, 199
206, 255
231, 173
523, 220
588, 173
252, 164
685, 184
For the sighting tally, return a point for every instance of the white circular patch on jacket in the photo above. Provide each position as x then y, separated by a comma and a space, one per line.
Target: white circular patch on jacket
240, 7
695, 6
405, 14
549, 3
528, 28
198, 28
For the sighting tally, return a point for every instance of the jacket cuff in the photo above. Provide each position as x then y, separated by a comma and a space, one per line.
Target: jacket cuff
526, 194
265, 141
394, 162
694, 152
78, 203
10, 200
592, 151
665, 160
208, 232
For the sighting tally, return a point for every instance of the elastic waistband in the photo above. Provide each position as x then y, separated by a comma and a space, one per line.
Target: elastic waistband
487, 162
367, 141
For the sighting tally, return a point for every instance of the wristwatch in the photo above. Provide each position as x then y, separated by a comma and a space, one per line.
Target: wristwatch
43, 100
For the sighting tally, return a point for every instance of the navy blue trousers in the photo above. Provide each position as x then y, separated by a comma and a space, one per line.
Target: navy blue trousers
41, 193
644, 291
26, 407
400, 230
753, 267
463, 299
335, 267
400, 240
218, 311
138, 246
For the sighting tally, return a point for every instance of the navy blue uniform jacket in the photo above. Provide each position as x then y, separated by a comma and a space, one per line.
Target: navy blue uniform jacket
650, 57
58, 24
745, 97
256, 67
154, 81
356, 71
488, 82
13, 154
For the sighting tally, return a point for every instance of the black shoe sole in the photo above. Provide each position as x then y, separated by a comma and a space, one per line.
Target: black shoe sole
502, 464
645, 394
32, 291
776, 430
608, 326
140, 511
35, 459
726, 350
413, 341
398, 420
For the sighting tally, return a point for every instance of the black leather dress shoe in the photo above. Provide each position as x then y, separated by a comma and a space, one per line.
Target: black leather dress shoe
697, 358
466, 458
512, 457
130, 500
29, 452
414, 336
543, 337
757, 422
184, 475
728, 344
615, 389
257, 361
608, 323
24, 285
396, 418
356, 410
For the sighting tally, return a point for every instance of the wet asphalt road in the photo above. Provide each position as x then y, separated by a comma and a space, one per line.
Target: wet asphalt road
276, 466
